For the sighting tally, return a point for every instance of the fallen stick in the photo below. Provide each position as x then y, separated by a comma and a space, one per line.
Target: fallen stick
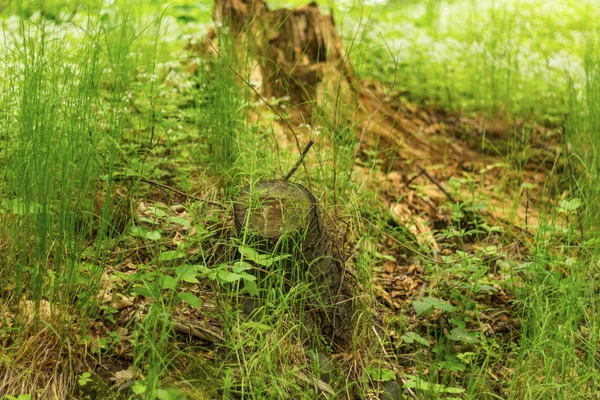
436, 183
300, 160
197, 330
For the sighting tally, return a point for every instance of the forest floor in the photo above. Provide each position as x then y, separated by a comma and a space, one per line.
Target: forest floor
448, 227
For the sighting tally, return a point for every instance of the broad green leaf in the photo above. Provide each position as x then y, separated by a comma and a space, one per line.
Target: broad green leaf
381, 374
264, 260
256, 325
148, 220
139, 231
484, 288
181, 221
240, 266
170, 255
452, 364
187, 273
228, 277
420, 384
143, 291
153, 235
168, 282
251, 287
427, 303
421, 307
83, 379
19, 397
249, 253
458, 322
19, 207
246, 276
206, 272
138, 388
462, 335
157, 211
189, 298
412, 337
169, 394
267, 260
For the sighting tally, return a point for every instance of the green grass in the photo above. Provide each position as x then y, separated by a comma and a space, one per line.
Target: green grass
103, 112
507, 57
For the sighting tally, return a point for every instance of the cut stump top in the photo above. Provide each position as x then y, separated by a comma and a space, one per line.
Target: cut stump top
275, 208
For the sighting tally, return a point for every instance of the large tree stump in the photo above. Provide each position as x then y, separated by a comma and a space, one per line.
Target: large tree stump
299, 52
280, 216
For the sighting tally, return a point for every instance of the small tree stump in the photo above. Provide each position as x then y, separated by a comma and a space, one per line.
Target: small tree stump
282, 217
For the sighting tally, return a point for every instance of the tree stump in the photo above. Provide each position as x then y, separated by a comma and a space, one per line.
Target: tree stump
299, 52
282, 217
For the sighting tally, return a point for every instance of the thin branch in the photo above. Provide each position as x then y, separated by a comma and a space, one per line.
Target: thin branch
436, 183
300, 160
573, 183
167, 187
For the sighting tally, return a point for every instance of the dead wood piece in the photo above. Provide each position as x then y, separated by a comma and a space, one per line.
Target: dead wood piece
300, 160
197, 330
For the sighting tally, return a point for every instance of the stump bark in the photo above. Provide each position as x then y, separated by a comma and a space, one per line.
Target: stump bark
280, 216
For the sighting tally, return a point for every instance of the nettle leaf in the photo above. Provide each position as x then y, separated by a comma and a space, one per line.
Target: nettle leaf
265, 260
189, 298
153, 235
240, 266
428, 303
421, 307
251, 287
412, 337
139, 231
170, 255
249, 253
228, 276
157, 211
181, 221
462, 335
148, 220
452, 364
415, 382
381, 374
168, 282
247, 277
143, 291
187, 273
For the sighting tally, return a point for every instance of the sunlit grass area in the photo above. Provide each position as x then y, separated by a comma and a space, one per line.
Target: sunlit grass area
510, 57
